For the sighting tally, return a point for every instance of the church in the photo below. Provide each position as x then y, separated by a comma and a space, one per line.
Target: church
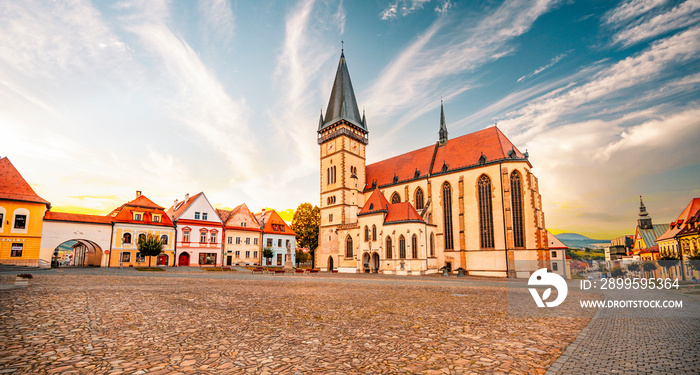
469, 202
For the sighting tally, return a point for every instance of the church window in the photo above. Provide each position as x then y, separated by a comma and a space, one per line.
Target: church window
447, 215
395, 198
331, 175
348, 247
366, 233
414, 247
432, 245
419, 199
374, 232
516, 192
388, 248
485, 212
330, 218
402, 247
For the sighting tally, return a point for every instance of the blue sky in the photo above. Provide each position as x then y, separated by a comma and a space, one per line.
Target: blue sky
100, 99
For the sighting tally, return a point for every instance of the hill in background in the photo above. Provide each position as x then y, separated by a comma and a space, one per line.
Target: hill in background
579, 241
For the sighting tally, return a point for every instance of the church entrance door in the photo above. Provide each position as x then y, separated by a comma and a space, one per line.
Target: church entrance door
365, 263
375, 263
330, 264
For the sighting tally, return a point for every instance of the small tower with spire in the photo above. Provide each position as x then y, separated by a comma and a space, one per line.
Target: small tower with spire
644, 220
443, 126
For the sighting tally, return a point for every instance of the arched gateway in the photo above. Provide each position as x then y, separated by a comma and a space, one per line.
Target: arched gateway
75, 239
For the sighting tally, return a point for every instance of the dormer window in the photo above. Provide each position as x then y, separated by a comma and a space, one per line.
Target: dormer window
196, 215
156, 218
204, 215
138, 216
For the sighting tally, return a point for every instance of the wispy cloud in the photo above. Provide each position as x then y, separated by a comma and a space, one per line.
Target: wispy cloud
402, 8
218, 22
680, 16
543, 68
629, 10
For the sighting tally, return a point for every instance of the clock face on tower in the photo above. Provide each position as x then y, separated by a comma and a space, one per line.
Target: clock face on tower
354, 147
331, 147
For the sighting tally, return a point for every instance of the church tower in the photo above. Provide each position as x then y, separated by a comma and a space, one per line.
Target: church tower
644, 221
342, 137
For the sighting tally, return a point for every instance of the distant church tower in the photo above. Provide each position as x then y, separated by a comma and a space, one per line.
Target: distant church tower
342, 136
443, 126
644, 220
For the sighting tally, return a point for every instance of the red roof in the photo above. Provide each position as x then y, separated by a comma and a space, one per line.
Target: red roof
78, 218
457, 153
14, 187
375, 203
653, 249
125, 212
179, 208
272, 220
228, 218
691, 209
402, 212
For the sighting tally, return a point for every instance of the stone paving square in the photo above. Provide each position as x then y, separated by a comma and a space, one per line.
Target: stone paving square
114, 322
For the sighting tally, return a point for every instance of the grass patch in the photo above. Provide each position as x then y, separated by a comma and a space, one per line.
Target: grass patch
150, 269
212, 268
576, 277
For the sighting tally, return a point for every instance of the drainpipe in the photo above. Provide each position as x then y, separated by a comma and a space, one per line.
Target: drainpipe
175, 243
503, 208
111, 238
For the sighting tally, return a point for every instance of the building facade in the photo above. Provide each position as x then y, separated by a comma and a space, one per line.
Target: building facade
278, 237
678, 238
476, 195
243, 237
21, 219
199, 231
135, 220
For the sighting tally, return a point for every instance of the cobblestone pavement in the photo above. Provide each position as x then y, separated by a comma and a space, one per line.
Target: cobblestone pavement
637, 341
106, 321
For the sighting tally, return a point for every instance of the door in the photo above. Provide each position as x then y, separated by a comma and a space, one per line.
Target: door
365, 263
162, 260
229, 260
375, 262
184, 260
330, 263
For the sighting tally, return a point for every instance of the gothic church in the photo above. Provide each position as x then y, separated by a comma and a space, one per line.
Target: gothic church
469, 202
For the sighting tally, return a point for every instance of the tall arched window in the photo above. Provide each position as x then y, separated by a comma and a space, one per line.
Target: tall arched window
388, 248
395, 198
419, 199
432, 245
331, 175
374, 232
485, 212
447, 215
516, 194
126, 238
366, 233
348, 247
402, 247
414, 247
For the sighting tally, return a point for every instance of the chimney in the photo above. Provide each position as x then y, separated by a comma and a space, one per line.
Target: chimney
187, 196
175, 203
138, 193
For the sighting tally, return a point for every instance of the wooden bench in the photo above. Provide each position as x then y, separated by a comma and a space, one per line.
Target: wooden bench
313, 271
279, 272
334, 271
299, 271
226, 268
258, 270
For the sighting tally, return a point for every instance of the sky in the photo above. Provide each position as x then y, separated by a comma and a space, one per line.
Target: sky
100, 99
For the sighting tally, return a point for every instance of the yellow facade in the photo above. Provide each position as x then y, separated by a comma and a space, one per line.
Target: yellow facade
126, 252
20, 244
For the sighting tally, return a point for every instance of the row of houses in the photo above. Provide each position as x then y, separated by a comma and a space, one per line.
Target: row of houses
192, 231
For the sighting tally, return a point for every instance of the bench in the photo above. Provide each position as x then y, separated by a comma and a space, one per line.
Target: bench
278, 272
226, 268
299, 271
258, 270
313, 271
334, 271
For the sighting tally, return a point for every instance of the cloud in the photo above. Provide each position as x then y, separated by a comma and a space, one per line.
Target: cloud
543, 68
403, 8
681, 16
218, 22
630, 10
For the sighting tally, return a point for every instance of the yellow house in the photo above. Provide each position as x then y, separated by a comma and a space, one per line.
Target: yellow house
21, 219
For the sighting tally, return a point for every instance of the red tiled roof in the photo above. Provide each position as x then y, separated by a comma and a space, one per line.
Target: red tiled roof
124, 213
691, 209
177, 209
228, 217
402, 212
458, 153
375, 203
78, 218
14, 187
223, 214
653, 249
271, 217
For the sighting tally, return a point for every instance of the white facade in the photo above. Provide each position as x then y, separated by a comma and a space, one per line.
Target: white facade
199, 232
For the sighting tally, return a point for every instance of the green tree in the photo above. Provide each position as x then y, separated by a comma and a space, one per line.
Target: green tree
267, 254
668, 259
150, 246
634, 267
301, 257
617, 271
694, 259
305, 224
648, 267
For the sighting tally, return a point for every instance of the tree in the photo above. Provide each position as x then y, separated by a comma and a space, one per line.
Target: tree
649, 266
694, 259
150, 246
301, 256
267, 254
305, 224
617, 271
668, 259
634, 267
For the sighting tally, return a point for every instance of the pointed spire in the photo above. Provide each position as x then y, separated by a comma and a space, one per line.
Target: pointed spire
443, 125
342, 104
644, 218
320, 120
364, 119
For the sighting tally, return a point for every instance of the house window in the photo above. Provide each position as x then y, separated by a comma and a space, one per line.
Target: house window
247, 254
204, 215
516, 195
255, 254
247, 240
374, 232
230, 240
395, 198
348, 247
126, 257
140, 258
196, 215
419, 199
212, 238
156, 218
555, 267
238, 240
279, 243
20, 221
269, 242
207, 258
414, 247
2, 219
366, 233
238, 253
447, 215
186, 236
432, 245
402, 247
554, 254
243, 224
286, 243
164, 239
203, 236
388, 248
255, 241
279, 259
485, 212
137, 217
126, 238
16, 250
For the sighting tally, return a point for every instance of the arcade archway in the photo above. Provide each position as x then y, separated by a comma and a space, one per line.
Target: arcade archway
77, 253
